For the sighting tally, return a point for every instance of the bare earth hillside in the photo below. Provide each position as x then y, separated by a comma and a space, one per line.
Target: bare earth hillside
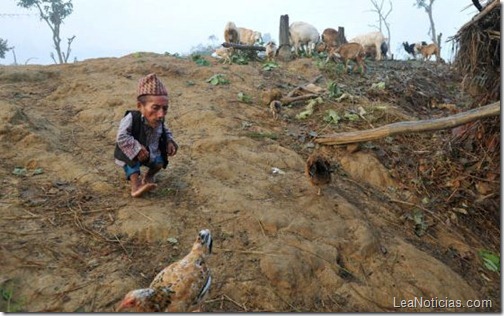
72, 239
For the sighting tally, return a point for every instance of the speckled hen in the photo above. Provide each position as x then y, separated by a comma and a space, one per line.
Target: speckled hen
180, 287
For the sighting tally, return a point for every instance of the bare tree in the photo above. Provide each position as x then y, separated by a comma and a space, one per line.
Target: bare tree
14, 54
428, 8
382, 18
53, 12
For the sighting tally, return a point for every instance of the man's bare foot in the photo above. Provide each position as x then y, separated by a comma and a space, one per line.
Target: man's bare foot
142, 189
147, 178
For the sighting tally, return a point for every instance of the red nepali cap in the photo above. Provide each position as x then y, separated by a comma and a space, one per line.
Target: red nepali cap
150, 84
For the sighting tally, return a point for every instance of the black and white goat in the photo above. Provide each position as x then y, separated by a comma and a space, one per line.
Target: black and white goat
414, 48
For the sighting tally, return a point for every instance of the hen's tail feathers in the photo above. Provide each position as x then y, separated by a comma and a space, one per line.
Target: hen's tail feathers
204, 289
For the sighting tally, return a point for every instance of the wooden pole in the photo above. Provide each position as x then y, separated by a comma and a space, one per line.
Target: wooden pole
411, 126
341, 36
284, 47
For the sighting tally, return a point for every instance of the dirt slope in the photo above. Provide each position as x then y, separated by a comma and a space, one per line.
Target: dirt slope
73, 239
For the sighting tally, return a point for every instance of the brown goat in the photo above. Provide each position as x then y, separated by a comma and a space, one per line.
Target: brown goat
330, 38
370, 51
349, 51
429, 50
321, 47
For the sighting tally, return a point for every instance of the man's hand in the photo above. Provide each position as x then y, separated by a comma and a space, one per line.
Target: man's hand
171, 148
143, 155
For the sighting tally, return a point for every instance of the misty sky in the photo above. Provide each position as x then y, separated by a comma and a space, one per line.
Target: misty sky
114, 28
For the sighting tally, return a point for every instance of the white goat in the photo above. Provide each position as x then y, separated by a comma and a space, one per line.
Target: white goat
248, 36
303, 34
231, 34
374, 38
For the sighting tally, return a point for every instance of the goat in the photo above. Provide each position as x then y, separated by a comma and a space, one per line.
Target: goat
373, 38
224, 53
371, 50
231, 34
321, 47
271, 50
302, 33
429, 50
329, 37
414, 48
384, 49
248, 36
347, 52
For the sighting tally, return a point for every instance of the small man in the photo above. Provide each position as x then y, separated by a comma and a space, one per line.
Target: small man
143, 139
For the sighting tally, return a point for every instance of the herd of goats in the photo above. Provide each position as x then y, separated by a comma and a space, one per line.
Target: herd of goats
305, 37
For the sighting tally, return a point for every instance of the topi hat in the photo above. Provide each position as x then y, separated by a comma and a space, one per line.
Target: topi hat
150, 84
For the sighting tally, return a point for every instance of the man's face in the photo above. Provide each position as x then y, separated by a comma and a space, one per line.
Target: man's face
155, 108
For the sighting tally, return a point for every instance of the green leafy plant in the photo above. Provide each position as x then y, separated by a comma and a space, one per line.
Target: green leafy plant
177, 55
378, 86
7, 302
310, 107
218, 79
420, 224
351, 116
240, 59
269, 66
199, 60
242, 97
334, 90
331, 117
491, 261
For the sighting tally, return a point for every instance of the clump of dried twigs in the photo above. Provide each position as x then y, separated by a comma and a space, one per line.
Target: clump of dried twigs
478, 56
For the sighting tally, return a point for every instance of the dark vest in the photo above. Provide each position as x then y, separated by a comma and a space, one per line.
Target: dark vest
139, 134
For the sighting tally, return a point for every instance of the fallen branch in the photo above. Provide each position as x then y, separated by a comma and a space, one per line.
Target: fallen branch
303, 87
411, 126
288, 100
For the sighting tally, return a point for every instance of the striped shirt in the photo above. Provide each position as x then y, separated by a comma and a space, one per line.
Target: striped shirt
131, 147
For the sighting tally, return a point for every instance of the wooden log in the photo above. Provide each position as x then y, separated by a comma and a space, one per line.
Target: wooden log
244, 47
411, 126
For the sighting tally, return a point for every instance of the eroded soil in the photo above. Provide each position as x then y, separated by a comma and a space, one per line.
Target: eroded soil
74, 240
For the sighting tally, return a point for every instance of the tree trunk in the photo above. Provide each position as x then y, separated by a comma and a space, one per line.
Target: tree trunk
431, 19
284, 47
439, 42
